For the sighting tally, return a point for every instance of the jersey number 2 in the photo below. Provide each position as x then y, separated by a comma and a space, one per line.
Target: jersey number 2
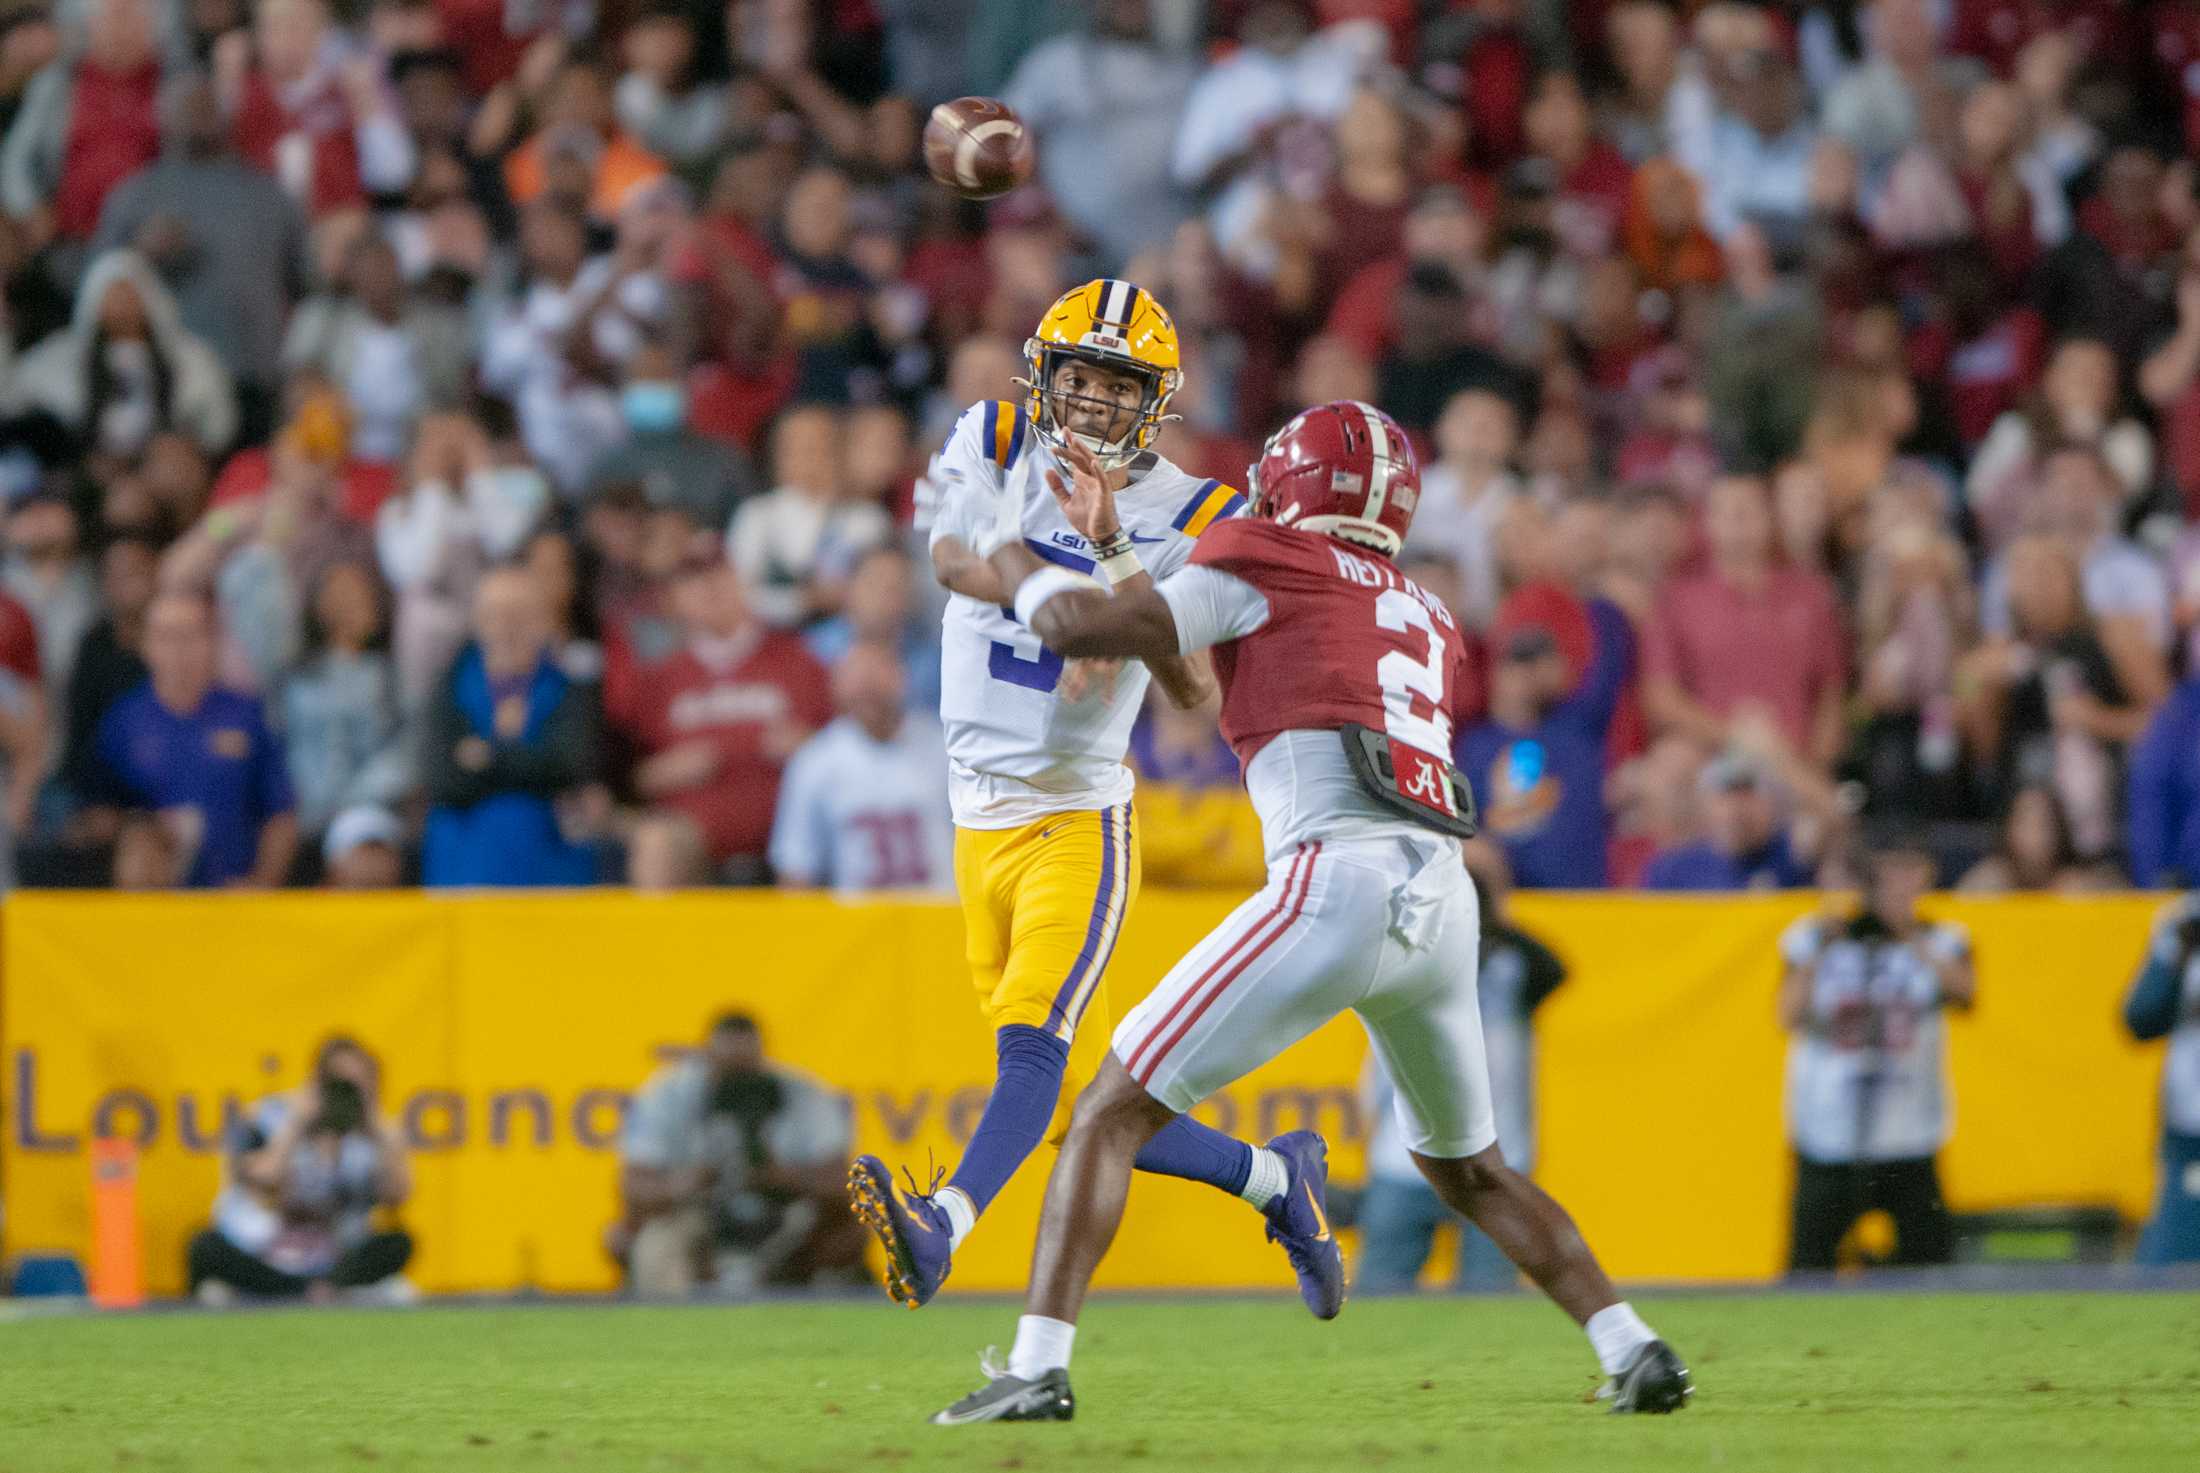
1402, 677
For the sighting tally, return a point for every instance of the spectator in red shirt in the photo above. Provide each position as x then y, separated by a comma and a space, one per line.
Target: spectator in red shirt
1443, 228
319, 424
2016, 202
87, 123
726, 304
717, 723
493, 36
23, 730
1987, 350
1609, 328
1995, 31
1481, 56
1365, 205
1592, 178
1747, 640
324, 123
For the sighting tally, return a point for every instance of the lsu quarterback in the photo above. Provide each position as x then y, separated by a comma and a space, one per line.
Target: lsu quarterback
1046, 853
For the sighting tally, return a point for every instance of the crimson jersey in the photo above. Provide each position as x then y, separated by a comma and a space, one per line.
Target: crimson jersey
731, 694
1348, 639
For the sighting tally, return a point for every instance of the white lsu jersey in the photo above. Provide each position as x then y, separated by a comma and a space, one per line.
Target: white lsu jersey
1017, 750
856, 813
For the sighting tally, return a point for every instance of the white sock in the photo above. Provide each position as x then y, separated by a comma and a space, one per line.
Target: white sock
1269, 1180
1616, 1332
961, 1216
1042, 1345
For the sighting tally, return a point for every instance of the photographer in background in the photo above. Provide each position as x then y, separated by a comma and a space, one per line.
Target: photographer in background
303, 1179
2165, 1003
733, 1174
1867, 1069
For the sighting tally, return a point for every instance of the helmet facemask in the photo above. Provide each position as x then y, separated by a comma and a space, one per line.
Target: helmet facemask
1051, 406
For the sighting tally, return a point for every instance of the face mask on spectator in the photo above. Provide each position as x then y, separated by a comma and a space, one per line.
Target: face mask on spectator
653, 406
510, 500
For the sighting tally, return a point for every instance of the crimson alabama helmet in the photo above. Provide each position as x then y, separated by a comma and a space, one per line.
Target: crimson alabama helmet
1344, 468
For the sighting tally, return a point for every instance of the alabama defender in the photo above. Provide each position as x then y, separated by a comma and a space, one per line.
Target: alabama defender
1337, 677
1046, 855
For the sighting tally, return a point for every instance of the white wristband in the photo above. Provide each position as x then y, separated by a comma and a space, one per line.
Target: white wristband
1033, 593
1121, 564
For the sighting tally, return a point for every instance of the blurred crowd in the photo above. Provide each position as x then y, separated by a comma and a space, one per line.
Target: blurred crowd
483, 441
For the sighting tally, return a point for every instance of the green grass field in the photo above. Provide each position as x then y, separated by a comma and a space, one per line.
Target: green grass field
1848, 1381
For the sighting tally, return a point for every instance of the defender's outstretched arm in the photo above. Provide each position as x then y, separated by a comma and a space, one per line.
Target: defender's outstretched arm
1079, 618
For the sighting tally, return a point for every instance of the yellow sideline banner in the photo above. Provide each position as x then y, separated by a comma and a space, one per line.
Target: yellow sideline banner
512, 1028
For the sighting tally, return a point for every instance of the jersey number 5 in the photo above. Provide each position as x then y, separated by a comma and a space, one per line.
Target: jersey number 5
1402, 677
1040, 674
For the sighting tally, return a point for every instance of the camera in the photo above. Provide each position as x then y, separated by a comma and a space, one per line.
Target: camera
343, 1108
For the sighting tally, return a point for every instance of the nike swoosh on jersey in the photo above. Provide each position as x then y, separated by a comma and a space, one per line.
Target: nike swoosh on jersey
1079, 544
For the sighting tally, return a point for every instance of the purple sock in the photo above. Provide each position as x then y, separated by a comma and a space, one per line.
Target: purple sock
1027, 1081
1197, 1152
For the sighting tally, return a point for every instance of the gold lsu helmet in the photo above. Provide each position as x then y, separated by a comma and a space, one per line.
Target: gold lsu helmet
1112, 324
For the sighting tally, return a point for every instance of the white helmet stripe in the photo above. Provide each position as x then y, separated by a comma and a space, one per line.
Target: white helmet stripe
1378, 483
1115, 302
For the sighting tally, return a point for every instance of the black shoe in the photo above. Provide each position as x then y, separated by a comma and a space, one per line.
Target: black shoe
1007, 1398
1653, 1383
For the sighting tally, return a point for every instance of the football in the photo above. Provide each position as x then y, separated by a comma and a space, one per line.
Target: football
977, 147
